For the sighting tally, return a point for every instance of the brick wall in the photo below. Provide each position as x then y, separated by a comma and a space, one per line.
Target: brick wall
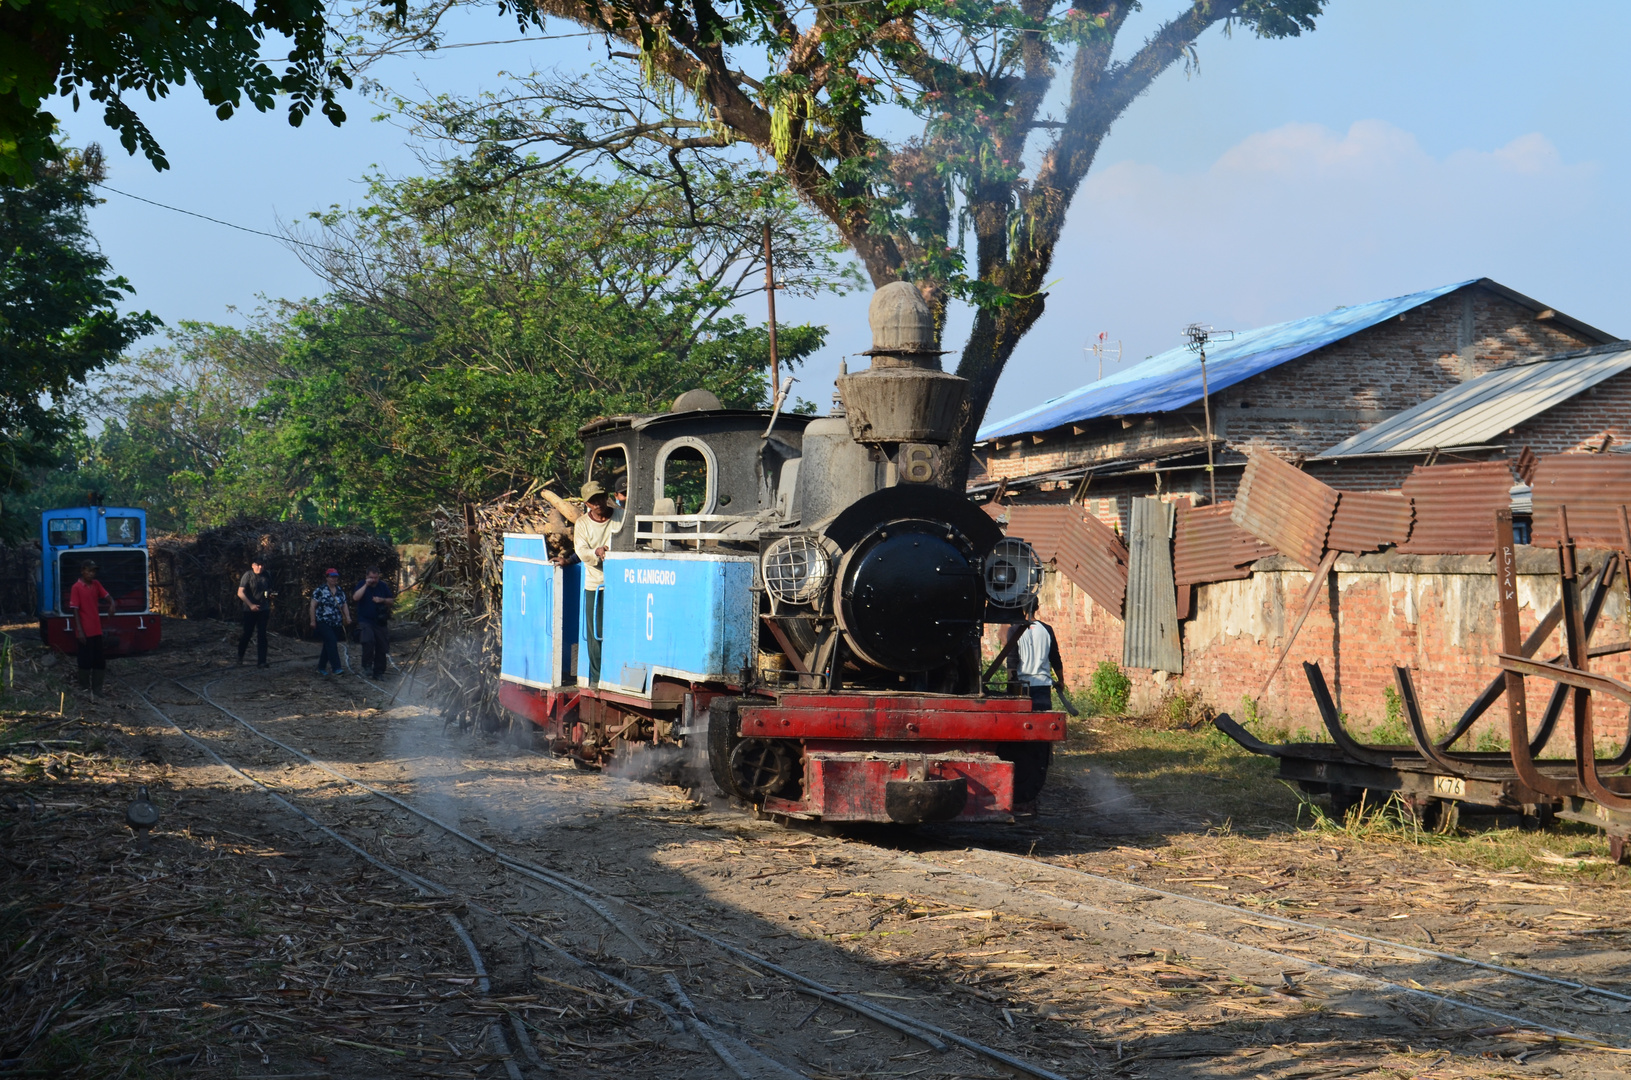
1434, 613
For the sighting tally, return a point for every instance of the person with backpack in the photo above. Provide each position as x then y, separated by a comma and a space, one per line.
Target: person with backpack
330, 615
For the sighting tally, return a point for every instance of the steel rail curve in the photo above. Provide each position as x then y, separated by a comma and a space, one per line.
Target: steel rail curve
573, 887
922, 1031
425, 886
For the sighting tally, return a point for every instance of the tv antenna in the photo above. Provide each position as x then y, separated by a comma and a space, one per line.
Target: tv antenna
1200, 335
1101, 348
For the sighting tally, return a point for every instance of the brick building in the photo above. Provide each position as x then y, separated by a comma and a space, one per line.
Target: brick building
1362, 399
1295, 389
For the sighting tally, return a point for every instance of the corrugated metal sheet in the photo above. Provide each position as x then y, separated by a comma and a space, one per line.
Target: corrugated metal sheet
1172, 379
1084, 549
1592, 486
1150, 628
1207, 546
1370, 521
1285, 507
1480, 409
1455, 507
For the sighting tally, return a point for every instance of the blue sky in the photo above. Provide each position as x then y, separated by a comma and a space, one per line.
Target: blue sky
1400, 146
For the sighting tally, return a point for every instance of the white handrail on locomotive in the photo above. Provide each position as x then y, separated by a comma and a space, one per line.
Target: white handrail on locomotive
660, 530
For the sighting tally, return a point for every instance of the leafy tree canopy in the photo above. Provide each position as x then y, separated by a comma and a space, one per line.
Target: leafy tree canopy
59, 319
113, 51
474, 324
1006, 102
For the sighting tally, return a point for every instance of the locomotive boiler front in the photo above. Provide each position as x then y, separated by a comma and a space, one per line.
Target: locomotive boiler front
911, 596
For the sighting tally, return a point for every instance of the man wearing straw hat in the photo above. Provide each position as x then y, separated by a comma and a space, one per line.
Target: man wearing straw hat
591, 537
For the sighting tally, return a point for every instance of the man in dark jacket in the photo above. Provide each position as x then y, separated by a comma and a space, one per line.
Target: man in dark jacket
253, 592
373, 597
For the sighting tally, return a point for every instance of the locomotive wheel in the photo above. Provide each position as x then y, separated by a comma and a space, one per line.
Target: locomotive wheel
722, 739
760, 767
1031, 761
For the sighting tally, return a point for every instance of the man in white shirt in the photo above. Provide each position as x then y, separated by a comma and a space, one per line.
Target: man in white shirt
591, 537
1039, 660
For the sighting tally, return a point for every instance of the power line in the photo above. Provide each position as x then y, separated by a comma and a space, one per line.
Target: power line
241, 228
512, 41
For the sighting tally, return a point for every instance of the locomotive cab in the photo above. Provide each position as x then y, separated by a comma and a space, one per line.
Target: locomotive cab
115, 538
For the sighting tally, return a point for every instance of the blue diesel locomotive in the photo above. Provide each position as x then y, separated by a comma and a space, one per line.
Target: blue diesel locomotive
115, 538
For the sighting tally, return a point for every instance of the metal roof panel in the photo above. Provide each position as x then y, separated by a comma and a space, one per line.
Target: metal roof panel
1172, 379
1482, 408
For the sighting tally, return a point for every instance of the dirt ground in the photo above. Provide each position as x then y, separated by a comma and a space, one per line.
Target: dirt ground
1132, 928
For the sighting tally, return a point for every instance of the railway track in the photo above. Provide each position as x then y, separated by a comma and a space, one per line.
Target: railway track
639, 953
1388, 978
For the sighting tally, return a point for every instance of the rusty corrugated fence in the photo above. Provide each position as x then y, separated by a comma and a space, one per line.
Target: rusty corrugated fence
1150, 626
1083, 548
1592, 486
1455, 507
1208, 546
1369, 521
1285, 507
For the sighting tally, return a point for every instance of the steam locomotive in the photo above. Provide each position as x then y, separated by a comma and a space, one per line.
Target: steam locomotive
793, 605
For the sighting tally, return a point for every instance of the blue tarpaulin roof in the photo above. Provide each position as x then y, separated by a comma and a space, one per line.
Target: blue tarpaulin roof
1172, 380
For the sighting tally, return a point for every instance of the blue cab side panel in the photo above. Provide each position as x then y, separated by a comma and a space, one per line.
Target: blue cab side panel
683, 614
540, 616
74, 527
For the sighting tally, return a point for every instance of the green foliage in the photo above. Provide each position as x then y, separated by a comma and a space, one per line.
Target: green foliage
944, 139
1392, 730
59, 317
1250, 718
106, 50
1109, 689
1183, 708
476, 322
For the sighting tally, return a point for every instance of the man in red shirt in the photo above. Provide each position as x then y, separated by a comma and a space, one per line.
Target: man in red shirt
86, 599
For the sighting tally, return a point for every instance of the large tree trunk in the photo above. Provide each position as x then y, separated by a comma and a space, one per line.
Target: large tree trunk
996, 333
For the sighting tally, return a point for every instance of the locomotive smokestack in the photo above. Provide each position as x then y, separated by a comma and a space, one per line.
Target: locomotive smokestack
904, 397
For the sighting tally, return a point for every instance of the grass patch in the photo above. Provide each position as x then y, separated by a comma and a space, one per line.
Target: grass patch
1572, 848
1200, 774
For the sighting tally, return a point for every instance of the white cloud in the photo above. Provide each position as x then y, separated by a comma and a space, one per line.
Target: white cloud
1300, 219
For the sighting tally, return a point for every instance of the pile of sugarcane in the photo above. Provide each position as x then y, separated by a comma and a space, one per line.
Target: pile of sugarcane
20, 578
197, 576
456, 665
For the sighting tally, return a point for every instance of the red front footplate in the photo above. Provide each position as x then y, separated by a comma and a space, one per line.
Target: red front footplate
122, 634
855, 745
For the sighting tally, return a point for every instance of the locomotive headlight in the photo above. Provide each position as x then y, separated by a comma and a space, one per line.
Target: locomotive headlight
795, 569
1012, 573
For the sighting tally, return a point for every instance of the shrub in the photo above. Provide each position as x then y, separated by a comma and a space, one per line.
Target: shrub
1182, 708
1109, 689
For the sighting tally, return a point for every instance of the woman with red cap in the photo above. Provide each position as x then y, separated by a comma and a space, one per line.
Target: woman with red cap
330, 615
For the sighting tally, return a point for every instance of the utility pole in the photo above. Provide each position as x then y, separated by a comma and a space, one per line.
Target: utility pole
770, 299
1198, 336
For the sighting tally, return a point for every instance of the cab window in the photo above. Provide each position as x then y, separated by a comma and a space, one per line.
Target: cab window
124, 530
685, 479
610, 466
66, 532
